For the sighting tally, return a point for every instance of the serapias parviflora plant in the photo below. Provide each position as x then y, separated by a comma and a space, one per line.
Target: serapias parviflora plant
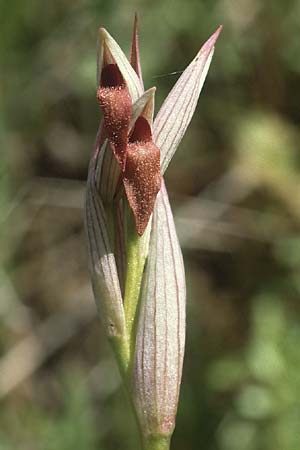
135, 259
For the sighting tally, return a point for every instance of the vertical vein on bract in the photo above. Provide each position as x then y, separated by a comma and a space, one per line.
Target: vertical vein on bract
103, 266
178, 108
164, 113
163, 331
94, 253
175, 125
179, 277
107, 174
156, 381
182, 122
166, 335
120, 248
155, 328
174, 304
149, 349
105, 252
142, 356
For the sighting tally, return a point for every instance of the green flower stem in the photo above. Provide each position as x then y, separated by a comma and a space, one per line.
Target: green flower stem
122, 353
121, 348
135, 267
136, 257
133, 282
156, 442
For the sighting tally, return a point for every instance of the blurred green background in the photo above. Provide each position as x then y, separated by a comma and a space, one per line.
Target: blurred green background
235, 189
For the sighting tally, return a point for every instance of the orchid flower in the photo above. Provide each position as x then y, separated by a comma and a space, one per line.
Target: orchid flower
135, 259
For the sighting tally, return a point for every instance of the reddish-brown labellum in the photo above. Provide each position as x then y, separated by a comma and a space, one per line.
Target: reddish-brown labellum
142, 179
114, 98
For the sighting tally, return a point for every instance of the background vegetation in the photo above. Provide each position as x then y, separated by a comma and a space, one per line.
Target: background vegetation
235, 191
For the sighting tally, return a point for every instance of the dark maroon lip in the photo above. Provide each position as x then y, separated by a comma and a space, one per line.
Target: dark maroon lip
141, 131
111, 76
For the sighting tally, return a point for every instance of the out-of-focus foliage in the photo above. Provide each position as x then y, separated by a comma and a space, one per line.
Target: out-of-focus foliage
265, 409
33, 428
236, 195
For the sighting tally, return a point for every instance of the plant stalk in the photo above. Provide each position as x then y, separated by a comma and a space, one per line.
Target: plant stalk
156, 442
135, 268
